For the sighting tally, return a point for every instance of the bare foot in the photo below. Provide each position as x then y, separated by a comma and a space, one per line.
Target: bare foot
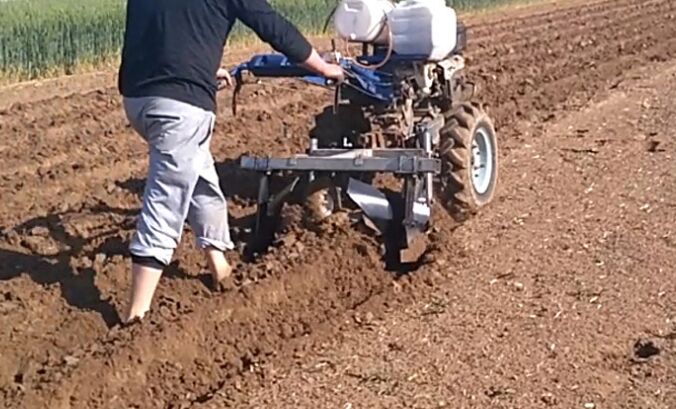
221, 270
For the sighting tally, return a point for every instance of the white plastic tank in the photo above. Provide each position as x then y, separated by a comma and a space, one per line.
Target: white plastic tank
423, 27
362, 20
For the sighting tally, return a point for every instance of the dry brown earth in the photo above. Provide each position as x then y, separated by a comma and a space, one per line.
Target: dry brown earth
560, 294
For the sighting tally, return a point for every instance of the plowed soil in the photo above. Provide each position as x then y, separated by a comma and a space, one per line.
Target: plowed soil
560, 294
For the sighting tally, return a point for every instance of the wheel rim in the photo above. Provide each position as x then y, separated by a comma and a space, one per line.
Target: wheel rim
322, 204
326, 204
482, 160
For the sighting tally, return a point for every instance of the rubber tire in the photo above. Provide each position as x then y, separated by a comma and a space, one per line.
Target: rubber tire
457, 192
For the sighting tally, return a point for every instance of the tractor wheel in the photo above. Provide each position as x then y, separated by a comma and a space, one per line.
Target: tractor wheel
468, 150
319, 201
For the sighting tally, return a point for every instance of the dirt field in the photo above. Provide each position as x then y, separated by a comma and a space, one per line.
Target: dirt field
561, 294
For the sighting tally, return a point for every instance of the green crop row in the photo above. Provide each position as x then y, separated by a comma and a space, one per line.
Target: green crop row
41, 36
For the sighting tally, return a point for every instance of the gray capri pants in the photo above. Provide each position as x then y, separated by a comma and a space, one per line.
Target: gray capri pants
182, 181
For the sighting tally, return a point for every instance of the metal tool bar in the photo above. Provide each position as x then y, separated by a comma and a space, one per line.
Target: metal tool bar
399, 165
367, 153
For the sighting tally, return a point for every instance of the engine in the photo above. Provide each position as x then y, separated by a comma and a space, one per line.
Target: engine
413, 51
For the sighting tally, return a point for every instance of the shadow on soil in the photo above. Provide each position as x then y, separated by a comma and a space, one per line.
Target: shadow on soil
77, 285
53, 254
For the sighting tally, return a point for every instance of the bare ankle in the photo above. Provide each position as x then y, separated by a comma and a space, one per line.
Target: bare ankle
144, 283
218, 264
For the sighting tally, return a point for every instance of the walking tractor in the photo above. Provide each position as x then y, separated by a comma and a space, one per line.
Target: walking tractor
405, 109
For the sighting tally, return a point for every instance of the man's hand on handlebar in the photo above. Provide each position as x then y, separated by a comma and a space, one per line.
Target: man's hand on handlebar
224, 79
318, 65
335, 73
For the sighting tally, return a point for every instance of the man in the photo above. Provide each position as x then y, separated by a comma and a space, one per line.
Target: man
169, 77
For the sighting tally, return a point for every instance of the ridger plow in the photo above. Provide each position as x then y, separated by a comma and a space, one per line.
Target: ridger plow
404, 109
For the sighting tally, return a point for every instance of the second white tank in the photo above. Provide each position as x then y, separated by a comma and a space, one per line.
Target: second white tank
426, 28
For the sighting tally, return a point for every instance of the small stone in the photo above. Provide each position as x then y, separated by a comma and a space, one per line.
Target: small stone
519, 286
100, 258
100, 192
548, 399
110, 187
289, 241
86, 262
369, 317
12, 237
71, 360
39, 231
7, 307
40, 245
589, 405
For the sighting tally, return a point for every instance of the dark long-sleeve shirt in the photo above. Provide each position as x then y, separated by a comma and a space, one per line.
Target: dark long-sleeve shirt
173, 48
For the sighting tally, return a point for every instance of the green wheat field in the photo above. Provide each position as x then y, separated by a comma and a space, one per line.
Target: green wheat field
40, 37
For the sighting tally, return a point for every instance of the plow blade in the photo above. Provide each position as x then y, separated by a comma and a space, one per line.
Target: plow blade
403, 235
372, 202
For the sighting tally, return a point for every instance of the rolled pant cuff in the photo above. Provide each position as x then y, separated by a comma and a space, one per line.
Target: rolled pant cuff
163, 256
203, 243
151, 262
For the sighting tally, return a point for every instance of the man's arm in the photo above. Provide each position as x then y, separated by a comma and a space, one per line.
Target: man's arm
283, 36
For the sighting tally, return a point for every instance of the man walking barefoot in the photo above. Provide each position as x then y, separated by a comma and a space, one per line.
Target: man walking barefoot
169, 76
